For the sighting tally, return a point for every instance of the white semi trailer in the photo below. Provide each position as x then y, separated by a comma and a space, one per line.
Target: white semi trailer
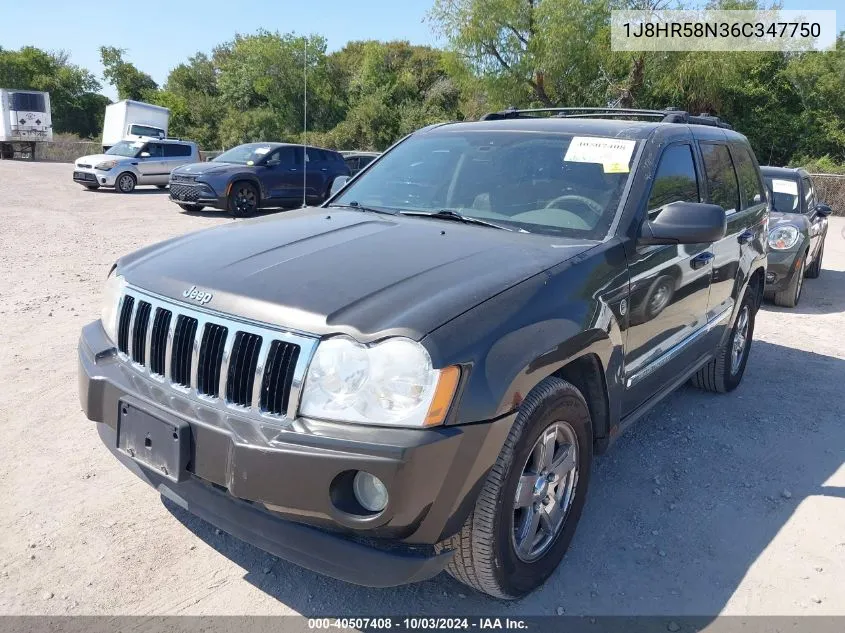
25, 120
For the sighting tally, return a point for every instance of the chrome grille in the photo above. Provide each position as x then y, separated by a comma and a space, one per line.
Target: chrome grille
218, 359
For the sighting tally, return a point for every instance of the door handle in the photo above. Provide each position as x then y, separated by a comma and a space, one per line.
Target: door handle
701, 260
324, 169
746, 236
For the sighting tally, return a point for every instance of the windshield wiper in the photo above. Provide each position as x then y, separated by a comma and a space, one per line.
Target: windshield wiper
360, 207
448, 214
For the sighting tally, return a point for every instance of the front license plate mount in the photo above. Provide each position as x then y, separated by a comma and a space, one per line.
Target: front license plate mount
163, 446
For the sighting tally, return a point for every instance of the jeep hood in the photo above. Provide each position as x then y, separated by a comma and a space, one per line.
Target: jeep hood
326, 271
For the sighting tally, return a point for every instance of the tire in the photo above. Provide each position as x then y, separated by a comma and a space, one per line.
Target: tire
92, 187
243, 200
192, 207
791, 295
815, 270
125, 183
486, 556
724, 373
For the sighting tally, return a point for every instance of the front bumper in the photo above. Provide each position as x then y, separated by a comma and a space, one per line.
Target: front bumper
91, 176
277, 488
195, 193
781, 267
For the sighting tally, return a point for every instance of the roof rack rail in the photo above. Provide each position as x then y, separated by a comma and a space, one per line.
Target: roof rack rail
666, 115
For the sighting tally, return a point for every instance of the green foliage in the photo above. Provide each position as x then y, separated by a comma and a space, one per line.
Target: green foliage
822, 165
130, 82
75, 105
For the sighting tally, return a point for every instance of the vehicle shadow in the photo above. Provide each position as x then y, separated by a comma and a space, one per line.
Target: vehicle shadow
679, 509
818, 296
216, 213
139, 190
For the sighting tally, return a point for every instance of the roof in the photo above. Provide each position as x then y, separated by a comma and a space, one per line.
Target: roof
592, 127
782, 172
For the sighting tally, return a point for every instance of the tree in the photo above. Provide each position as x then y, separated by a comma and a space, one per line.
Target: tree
75, 106
130, 82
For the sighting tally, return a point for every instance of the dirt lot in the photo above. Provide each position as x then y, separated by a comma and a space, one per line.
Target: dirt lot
731, 504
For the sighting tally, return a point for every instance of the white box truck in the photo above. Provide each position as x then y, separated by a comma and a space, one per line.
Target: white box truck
134, 120
24, 121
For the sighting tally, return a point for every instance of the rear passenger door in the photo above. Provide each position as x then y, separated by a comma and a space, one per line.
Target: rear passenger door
176, 154
733, 182
669, 286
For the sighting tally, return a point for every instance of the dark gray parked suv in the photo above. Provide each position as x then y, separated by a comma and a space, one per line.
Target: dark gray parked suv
416, 376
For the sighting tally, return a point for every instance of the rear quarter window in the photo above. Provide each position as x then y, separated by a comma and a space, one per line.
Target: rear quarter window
750, 187
176, 149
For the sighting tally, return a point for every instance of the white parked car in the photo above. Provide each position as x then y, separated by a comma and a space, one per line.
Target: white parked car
134, 162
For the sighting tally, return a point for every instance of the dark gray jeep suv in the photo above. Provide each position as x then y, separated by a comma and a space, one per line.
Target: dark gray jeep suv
416, 375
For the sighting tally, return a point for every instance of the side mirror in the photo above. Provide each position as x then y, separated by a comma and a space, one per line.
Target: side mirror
823, 210
685, 223
145, 154
338, 184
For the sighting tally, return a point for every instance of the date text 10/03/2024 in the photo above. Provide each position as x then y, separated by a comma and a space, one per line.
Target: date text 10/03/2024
418, 623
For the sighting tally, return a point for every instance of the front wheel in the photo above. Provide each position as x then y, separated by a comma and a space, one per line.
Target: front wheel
789, 296
243, 200
724, 373
125, 183
815, 269
527, 511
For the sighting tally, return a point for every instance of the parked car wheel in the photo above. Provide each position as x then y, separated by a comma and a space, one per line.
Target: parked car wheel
125, 183
815, 269
789, 296
192, 207
527, 511
724, 373
92, 187
243, 200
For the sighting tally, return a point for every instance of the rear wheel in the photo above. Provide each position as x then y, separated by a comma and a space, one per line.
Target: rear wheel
527, 511
243, 200
192, 207
789, 296
724, 373
815, 270
125, 183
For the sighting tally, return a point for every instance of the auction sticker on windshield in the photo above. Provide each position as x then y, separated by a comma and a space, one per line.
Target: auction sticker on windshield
785, 186
262, 150
613, 154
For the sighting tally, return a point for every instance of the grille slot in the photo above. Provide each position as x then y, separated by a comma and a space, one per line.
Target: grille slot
139, 332
278, 377
183, 347
211, 356
123, 324
158, 341
242, 363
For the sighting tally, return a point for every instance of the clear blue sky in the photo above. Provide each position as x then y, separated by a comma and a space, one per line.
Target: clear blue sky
158, 35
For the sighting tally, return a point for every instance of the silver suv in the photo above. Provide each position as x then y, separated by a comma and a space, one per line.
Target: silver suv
134, 162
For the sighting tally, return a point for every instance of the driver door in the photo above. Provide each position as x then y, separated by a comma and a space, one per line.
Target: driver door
669, 288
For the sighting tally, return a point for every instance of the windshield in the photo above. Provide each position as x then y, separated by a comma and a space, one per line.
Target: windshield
537, 182
785, 192
248, 154
126, 148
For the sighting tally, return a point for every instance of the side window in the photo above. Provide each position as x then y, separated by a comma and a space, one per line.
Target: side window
750, 189
721, 177
154, 150
675, 180
316, 155
809, 194
289, 156
172, 150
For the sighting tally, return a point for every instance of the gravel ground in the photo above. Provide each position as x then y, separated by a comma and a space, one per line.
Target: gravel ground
713, 504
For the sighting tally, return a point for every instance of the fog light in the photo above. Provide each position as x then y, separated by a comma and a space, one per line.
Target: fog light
370, 491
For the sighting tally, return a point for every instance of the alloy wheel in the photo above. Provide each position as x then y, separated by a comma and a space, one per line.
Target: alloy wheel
740, 340
245, 201
545, 491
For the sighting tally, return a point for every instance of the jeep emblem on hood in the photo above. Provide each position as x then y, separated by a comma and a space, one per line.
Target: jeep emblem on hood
199, 296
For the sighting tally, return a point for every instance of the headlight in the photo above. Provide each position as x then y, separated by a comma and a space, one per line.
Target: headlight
111, 297
785, 237
106, 165
390, 383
